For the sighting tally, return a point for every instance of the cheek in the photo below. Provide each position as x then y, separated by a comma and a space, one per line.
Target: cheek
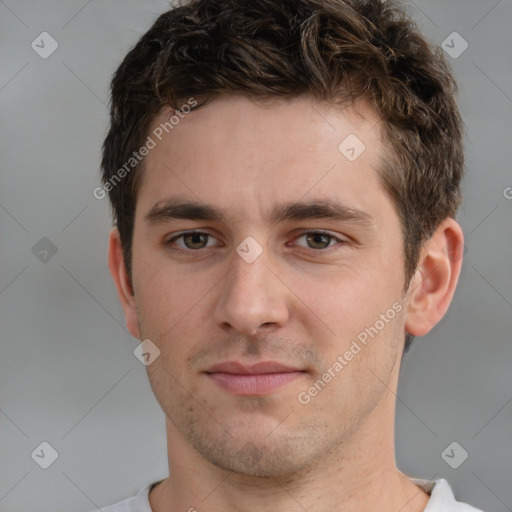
165, 303
344, 299
352, 305
174, 307
168, 287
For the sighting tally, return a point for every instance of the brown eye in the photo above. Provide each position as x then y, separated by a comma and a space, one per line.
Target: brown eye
318, 240
195, 240
192, 241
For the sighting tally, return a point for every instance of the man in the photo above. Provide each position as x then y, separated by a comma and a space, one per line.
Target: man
284, 178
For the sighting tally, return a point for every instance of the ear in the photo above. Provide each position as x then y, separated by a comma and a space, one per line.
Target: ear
122, 281
433, 285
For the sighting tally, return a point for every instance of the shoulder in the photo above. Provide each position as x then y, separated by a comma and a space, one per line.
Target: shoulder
137, 503
442, 498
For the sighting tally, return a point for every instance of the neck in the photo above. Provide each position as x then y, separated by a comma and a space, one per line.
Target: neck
358, 476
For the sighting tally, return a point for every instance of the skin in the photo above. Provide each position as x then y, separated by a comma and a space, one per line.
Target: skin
302, 302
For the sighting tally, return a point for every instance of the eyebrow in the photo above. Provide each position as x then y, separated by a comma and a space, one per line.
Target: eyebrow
321, 209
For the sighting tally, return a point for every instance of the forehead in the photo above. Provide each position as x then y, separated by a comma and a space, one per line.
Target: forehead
246, 157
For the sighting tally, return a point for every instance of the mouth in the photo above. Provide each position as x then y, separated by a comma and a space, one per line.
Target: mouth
255, 380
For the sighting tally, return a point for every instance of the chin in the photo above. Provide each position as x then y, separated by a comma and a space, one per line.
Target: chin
266, 456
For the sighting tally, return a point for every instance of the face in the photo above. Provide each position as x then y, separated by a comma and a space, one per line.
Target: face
279, 321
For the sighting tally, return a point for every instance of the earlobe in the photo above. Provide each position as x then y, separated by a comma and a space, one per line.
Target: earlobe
122, 281
433, 285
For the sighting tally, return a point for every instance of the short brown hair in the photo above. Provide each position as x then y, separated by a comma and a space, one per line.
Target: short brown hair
331, 50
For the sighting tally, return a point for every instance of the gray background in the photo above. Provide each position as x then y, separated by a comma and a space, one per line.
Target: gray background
67, 369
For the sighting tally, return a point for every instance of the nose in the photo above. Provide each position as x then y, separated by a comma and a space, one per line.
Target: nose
252, 297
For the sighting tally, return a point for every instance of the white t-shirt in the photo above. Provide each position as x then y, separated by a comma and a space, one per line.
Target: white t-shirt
441, 499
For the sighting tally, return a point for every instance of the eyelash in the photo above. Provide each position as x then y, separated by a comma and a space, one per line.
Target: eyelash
169, 242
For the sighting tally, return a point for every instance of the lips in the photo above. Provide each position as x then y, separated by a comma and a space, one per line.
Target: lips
258, 379
255, 369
